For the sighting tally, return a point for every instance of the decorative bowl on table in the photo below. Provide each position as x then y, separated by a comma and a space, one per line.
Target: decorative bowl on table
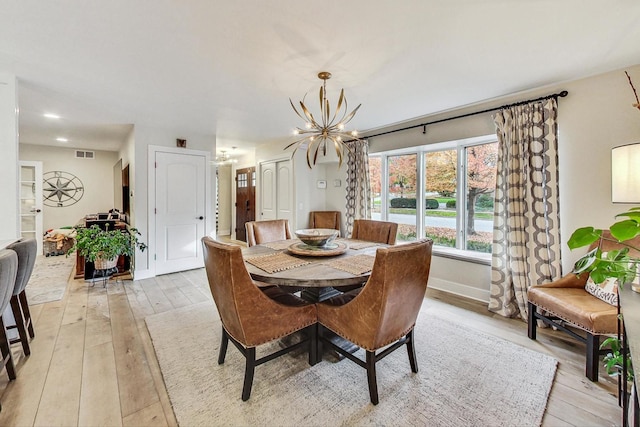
317, 236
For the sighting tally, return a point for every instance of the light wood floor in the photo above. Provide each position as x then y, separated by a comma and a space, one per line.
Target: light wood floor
93, 363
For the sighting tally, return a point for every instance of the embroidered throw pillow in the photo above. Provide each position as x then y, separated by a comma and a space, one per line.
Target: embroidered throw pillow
606, 291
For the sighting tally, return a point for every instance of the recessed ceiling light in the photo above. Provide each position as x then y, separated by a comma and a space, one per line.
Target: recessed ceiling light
51, 116
62, 140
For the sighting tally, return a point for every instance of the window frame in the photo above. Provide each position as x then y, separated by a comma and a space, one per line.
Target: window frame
460, 145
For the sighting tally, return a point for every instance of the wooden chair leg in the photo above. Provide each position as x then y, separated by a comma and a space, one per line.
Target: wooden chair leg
22, 296
7, 357
532, 321
593, 356
223, 347
313, 344
412, 352
19, 318
249, 369
371, 377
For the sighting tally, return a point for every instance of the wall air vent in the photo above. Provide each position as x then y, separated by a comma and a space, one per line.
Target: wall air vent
85, 154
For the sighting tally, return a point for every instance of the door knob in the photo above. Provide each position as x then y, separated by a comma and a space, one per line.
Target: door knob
200, 217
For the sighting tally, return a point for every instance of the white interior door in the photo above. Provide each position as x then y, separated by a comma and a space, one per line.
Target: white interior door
276, 190
180, 199
31, 201
284, 190
268, 191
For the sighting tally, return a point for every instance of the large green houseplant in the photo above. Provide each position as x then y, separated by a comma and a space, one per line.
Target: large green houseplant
98, 245
612, 264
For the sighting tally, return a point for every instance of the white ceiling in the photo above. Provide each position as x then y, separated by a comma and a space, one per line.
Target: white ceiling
228, 68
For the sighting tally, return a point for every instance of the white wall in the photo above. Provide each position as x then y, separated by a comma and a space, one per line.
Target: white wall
96, 176
9, 223
225, 189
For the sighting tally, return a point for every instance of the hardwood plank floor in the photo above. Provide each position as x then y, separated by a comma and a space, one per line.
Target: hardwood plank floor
93, 363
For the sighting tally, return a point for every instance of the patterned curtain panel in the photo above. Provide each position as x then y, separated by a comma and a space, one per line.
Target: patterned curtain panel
526, 228
358, 189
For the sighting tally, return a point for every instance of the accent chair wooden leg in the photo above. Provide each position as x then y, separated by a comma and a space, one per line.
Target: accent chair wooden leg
223, 347
412, 352
593, 356
532, 321
371, 377
22, 296
249, 369
7, 357
19, 318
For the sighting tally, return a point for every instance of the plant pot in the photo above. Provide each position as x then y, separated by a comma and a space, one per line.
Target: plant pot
105, 264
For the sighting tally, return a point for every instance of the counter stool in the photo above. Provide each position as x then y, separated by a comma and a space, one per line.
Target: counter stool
26, 250
8, 270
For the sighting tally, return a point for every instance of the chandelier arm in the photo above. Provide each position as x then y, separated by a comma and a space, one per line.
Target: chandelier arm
294, 109
296, 142
340, 100
351, 114
307, 112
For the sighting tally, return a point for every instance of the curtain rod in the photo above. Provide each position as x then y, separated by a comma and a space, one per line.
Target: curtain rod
424, 125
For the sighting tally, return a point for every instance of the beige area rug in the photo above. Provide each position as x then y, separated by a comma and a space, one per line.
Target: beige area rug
466, 378
49, 278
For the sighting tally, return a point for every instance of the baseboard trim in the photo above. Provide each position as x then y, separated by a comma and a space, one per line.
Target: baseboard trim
466, 291
143, 274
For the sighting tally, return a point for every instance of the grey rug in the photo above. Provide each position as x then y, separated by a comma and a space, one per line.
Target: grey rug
465, 378
49, 278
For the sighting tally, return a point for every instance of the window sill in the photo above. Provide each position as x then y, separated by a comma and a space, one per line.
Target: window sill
458, 254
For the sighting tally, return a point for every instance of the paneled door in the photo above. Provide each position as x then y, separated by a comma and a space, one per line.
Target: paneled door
31, 201
276, 190
180, 196
245, 200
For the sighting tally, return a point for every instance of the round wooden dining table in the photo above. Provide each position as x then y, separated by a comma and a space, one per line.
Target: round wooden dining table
317, 278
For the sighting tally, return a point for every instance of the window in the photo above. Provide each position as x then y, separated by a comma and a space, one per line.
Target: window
457, 180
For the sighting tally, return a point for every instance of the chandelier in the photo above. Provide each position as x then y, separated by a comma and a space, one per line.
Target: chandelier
224, 159
329, 130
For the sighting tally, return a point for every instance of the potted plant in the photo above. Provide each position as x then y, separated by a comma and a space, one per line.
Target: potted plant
616, 264
102, 247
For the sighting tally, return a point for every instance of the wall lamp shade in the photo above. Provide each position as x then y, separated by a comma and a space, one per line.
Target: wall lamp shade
625, 174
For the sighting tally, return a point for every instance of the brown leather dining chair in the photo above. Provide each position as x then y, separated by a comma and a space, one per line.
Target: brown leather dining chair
567, 306
251, 316
375, 231
259, 232
384, 312
324, 219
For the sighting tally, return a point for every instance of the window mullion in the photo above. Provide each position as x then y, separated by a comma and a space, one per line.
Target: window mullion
461, 199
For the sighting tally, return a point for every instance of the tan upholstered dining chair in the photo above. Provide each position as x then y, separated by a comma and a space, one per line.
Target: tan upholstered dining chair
259, 232
384, 312
375, 231
324, 219
251, 316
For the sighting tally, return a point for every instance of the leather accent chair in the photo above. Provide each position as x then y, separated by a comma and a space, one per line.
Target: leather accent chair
375, 231
27, 251
324, 219
8, 273
259, 232
384, 312
566, 301
251, 316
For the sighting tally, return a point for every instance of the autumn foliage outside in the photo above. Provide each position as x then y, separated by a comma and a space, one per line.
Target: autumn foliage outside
441, 171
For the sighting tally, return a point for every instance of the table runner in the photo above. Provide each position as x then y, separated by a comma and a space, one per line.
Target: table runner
355, 265
273, 263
